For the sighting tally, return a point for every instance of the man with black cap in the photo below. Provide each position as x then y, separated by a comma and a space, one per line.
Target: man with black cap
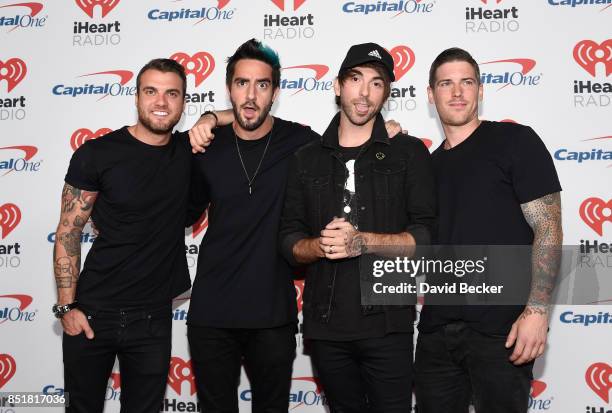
347, 194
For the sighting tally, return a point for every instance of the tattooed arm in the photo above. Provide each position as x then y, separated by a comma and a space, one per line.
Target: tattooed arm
529, 331
76, 209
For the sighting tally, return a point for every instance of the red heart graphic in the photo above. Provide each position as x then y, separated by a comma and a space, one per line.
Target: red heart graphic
587, 54
177, 374
200, 65
200, 225
403, 60
599, 378
427, 142
537, 388
8, 367
594, 212
88, 6
10, 216
13, 71
80, 136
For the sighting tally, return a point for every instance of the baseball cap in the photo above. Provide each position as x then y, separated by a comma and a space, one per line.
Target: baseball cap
368, 52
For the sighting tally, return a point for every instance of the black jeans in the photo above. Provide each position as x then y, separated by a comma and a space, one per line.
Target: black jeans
140, 339
456, 365
371, 375
216, 357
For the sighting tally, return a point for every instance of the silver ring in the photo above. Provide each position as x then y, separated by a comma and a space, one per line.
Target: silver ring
331, 249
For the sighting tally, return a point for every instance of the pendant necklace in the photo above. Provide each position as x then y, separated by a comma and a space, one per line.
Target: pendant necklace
251, 180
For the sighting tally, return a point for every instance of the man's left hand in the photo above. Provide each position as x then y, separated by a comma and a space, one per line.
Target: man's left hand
393, 128
528, 335
339, 239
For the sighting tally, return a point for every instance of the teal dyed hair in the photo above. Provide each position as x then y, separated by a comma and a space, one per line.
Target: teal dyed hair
254, 49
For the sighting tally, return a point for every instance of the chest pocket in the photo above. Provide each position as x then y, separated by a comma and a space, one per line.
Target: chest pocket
318, 191
389, 178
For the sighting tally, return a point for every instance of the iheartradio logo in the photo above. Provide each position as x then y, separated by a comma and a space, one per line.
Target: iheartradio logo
80, 136
594, 212
10, 215
427, 142
599, 378
13, 71
403, 60
180, 371
299, 294
115, 379
200, 225
88, 6
200, 65
8, 367
587, 54
281, 4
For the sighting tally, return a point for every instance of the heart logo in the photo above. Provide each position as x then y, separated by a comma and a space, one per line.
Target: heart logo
13, 71
10, 216
403, 60
299, 294
200, 65
8, 367
88, 6
599, 378
180, 371
594, 212
80, 136
587, 54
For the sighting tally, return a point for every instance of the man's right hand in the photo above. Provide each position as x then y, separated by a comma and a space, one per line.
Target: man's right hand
75, 322
200, 135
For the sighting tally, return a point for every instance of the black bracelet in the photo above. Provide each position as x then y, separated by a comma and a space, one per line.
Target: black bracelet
210, 112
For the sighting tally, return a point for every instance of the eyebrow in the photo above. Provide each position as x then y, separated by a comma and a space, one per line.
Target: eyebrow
243, 79
357, 72
448, 79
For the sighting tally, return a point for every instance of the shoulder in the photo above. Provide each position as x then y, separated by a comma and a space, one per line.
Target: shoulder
300, 134
408, 143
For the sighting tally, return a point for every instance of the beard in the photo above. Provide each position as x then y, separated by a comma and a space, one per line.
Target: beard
254, 124
159, 128
348, 109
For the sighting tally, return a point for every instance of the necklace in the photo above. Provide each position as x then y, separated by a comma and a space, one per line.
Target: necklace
251, 180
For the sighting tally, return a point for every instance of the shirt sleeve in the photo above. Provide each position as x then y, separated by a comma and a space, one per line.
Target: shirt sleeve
199, 192
533, 170
82, 172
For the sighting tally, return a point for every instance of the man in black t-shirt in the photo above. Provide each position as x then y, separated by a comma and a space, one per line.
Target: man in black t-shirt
496, 185
354, 192
132, 184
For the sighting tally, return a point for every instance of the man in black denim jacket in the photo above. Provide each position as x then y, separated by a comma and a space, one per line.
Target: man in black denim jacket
353, 192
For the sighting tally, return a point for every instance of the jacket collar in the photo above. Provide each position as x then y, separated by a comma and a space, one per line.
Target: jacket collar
330, 136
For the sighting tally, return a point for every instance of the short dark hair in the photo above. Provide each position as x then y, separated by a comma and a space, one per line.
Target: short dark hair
164, 66
380, 69
454, 54
254, 49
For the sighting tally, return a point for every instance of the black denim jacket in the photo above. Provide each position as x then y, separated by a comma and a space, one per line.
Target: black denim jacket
395, 183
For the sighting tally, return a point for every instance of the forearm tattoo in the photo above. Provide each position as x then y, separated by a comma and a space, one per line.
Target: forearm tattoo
544, 217
355, 244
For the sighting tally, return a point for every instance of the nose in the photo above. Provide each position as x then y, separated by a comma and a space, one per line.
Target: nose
251, 91
364, 90
457, 90
161, 99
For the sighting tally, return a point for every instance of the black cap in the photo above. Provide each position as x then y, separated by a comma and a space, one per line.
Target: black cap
368, 52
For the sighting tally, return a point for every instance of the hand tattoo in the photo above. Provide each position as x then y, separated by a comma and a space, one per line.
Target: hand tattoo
354, 243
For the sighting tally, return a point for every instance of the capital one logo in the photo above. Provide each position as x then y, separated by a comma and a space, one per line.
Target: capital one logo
313, 380
599, 378
588, 54
307, 83
23, 302
10, 216
80, 136
88, 6
403, 60
200, 225
28, 153
594, 212
520, 77
180, 371
486, 1
27, 20
13, 71
8, 367
281, 3
200, 65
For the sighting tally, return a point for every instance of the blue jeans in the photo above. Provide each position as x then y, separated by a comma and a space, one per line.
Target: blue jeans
141, 340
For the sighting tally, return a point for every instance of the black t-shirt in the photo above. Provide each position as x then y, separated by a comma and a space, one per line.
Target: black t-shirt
242, 281
481, 184
138, 258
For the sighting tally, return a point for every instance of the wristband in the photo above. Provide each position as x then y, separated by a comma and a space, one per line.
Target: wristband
210, 112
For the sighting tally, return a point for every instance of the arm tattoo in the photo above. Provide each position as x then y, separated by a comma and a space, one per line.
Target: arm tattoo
544, 216
355, 244
64, 272
87, 200
70, 196
71, 241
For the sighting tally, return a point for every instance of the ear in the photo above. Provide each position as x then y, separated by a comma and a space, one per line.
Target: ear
136, 99
430, 95
480, 92
337, 87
